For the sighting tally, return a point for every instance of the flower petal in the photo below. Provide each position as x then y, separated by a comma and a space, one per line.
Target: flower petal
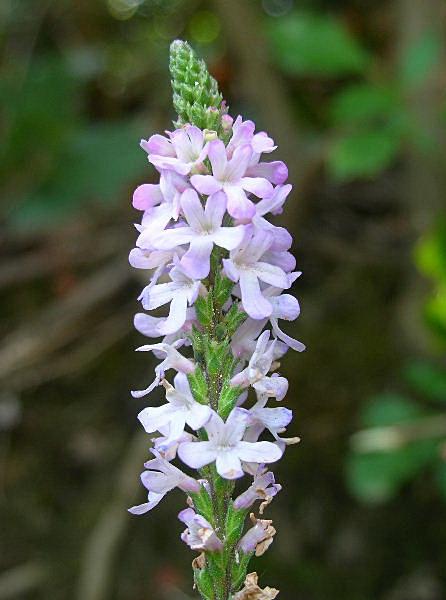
254, 303
196, 454
258, 452
205, 184
228, 465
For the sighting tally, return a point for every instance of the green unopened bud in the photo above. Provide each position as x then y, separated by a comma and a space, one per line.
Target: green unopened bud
196, 97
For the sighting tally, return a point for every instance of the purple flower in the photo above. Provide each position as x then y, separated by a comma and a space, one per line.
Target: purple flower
180, 292
199, 534
185, 150
262, 488
151, 326
203, 231
173, 360
243, 134
255, 374
181, 409
160, 478
226, 448
273, 419
246, 267
229, 176
258, 538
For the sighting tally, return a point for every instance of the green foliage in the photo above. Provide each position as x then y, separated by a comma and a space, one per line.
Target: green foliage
370, 126
203, 504
430, 258
306, 43
420, 59
196, 98
61, 161
228, 399
198, 386
95, 165
428, 379
235, 522
363, 153
377, 475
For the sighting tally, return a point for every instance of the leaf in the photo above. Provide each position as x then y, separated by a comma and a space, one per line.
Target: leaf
390, 409
304, 43
377, 477
427, 379
420, 59
430, 253
363, 153
98, 163
364, 103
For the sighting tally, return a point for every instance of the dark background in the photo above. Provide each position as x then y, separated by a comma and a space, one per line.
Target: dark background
353, 93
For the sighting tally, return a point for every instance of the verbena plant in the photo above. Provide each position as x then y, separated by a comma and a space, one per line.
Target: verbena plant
222, 269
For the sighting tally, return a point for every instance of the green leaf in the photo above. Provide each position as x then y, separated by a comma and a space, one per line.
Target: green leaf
377, 477
390, 409
364, 103
305, 43
235, 522
198, 386
97, 165
427, 379
420, 59
363, 153
430, 253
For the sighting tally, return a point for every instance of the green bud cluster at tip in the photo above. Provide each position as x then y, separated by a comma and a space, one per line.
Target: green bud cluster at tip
195, 92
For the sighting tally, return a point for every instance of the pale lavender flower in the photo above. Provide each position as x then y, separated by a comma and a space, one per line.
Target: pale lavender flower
263, 417
229, 176
226, 447
185, 151
243, 134
247, 265
154, 326
160, 478
173, 360
199, 534
180, 292
264, 487
203, 231
156, 218
153, 499
166, 448
256, 373
181, 410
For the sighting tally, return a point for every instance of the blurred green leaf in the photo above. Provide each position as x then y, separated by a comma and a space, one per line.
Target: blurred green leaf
364, 103
430, 253
427, 379
389, 409
420, 59
40, 112
314, 44
97, 164
363, 153
435, 311
377, 477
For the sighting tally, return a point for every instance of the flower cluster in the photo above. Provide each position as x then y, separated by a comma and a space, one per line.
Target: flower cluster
218, 270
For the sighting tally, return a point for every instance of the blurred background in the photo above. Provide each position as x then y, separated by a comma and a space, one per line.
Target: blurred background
353, 91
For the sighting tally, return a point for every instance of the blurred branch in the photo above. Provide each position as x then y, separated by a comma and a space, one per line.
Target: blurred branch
99, 340
98, 561
21, 580
58, 324
394, 437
